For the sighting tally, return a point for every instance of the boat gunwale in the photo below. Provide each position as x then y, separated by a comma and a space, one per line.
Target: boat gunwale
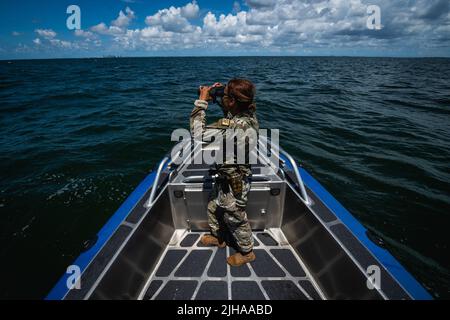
399, 274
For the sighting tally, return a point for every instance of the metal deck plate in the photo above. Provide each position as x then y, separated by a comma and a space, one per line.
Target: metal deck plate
189, 271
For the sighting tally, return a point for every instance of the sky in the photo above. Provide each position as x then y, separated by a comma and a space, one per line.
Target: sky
33, 29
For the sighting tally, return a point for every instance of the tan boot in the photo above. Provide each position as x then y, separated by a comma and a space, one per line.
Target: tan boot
210, 240
238, 259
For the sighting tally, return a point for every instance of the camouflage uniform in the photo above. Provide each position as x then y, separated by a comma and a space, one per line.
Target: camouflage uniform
228, 198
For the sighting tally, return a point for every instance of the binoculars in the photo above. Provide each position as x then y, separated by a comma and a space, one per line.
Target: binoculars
215, 92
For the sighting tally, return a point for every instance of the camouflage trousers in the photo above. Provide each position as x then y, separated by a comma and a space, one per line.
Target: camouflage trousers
227, 211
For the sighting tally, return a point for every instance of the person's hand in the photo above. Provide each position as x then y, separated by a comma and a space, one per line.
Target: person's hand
204, 93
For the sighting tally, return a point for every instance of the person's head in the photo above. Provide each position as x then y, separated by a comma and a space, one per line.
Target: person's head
239, 96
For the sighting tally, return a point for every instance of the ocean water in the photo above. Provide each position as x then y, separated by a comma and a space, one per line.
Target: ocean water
77, 136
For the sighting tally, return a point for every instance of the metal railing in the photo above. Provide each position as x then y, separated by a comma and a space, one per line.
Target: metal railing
161, 166
273, 148
278, 150
297, 176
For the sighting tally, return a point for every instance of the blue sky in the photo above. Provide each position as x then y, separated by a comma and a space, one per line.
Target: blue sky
37, 29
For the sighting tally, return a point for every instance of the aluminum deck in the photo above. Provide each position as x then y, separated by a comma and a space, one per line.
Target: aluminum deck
188, 270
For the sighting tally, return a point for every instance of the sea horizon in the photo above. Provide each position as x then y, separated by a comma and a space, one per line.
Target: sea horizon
230, 56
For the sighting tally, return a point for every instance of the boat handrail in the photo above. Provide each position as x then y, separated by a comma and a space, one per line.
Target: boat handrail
292, 161
297, 176
294, 167
161, 166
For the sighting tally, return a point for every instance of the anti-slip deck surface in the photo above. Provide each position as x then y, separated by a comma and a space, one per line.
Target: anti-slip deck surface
189, 270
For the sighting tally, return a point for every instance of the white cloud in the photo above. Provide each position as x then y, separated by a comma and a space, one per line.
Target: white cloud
175, 19
166, 28
124, 19
227, 26
155, 38
46, 33
101, 28
118, 25
281, 25
190, 11
85, 34
48, 40
62, 43
256, 17
16, 34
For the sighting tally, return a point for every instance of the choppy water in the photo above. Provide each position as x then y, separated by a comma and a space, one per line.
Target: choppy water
76, 137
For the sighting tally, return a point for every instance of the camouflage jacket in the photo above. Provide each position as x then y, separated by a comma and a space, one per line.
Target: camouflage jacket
243, 121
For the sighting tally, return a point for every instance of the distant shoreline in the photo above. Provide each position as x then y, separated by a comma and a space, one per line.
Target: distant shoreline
200, 57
